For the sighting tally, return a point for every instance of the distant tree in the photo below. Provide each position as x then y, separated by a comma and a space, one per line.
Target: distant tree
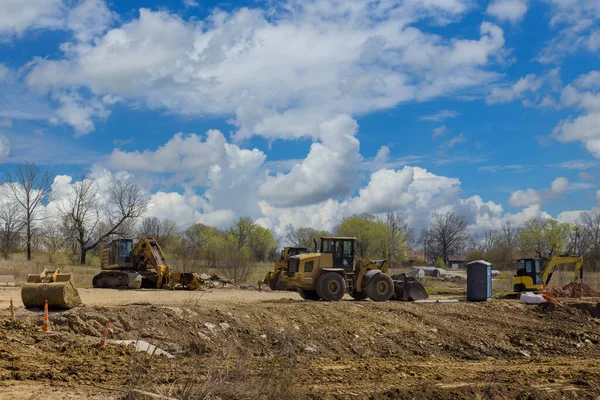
52, 238
447, 235
83, 212
261, 243
28, 186
11, 225
164, 231
589, 240
544, 237
363, 228
304, 237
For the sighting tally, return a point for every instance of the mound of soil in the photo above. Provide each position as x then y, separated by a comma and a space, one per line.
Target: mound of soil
294, 349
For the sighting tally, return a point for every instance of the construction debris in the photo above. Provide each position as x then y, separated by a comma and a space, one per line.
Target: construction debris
143, 346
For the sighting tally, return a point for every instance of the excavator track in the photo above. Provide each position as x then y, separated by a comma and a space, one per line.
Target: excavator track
120, 280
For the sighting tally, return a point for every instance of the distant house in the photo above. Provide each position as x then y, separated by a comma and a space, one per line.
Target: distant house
413, 257
456, 261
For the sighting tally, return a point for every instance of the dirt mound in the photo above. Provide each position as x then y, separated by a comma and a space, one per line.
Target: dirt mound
572, 290
298, 349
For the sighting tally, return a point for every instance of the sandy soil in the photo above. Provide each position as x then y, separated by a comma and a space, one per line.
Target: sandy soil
242, 344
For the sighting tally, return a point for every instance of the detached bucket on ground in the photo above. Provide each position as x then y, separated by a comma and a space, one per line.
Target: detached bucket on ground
53, 286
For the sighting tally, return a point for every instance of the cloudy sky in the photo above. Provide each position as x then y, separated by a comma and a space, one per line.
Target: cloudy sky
300, 112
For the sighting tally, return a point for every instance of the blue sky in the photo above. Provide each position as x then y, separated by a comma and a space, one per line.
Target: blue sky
317, 109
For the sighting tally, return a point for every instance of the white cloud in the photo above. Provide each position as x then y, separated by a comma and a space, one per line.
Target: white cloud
453, 141
268, 70
17, 16
89, 18
529, 83
577, 164
4, 148
508, 10
72, 110
329, 170
559, 185
570, 217
598, 195
440, 115
585, 176
190, 3
440, 131
516, 168
524, 198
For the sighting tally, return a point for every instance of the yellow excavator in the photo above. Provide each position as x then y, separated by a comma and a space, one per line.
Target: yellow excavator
273, 277
335, 270
533, 276
125, 266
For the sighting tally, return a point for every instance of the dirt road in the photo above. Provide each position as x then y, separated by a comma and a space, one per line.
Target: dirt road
111, 297
236, 344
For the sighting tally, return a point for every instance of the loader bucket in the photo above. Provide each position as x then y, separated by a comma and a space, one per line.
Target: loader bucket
57, 288
408, 288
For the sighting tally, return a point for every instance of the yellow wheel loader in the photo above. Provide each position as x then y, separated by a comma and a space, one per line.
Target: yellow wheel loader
533, 276
125, 266
273, 278
335, 271
54, 286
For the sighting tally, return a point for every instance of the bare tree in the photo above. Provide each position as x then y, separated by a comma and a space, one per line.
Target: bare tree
52, 238
11, 224
161, 230
589, 245
304, 237
28, 186
126, 202
447, 235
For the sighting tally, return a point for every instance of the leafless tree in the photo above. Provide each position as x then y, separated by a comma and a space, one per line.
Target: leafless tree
447, 235
52, 238
28, 186
162, 230
11, 225
82, 208
589, 245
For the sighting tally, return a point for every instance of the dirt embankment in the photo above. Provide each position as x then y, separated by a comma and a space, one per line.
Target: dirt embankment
294, 349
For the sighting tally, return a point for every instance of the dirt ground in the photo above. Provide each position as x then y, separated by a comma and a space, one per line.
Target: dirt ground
244, 344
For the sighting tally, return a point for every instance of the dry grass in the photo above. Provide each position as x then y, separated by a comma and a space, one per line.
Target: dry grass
20, 268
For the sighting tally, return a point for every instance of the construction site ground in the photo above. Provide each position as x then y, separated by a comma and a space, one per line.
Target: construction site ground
246, 344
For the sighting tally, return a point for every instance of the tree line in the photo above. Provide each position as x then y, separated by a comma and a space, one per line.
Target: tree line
86, 217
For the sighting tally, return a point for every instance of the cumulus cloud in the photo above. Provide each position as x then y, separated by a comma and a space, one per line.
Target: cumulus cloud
329, 170
89, 18
374, 55
508, 10
529, 197
17, 16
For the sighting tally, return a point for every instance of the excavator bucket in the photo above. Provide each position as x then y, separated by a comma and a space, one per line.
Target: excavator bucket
407, 288
54, 286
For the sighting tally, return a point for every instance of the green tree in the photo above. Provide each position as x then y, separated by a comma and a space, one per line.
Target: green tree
363, 228
544, 237
262, 243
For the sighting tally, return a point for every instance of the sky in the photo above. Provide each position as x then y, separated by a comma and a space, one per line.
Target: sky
300, 113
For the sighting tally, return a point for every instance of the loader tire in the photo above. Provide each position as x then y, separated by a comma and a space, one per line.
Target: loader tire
380, 287
359, 296
331, 286
309, 295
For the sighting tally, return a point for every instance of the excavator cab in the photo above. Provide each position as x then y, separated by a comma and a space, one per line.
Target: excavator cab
117, 254
528, 275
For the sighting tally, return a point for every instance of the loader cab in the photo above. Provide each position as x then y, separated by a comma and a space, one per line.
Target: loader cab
342, 250
292, 251
528, 275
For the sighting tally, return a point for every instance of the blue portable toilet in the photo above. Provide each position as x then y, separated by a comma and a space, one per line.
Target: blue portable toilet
479, 280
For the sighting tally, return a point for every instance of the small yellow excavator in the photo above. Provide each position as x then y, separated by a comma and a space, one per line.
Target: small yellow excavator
273, 277
125, 266
533, 276
54, 286
335, 271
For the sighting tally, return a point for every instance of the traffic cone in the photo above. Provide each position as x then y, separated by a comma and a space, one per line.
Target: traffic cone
12, 310
104, 334
46, 319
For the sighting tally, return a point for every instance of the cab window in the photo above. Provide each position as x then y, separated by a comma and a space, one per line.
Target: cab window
282, 255
125, 252
326, 246
529, 267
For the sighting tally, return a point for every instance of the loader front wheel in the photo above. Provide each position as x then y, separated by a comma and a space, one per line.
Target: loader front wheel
380, 287
331, 286
309, 295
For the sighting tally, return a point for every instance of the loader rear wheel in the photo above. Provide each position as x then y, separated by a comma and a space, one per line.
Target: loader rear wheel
309, 295
380, 287
331, 286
